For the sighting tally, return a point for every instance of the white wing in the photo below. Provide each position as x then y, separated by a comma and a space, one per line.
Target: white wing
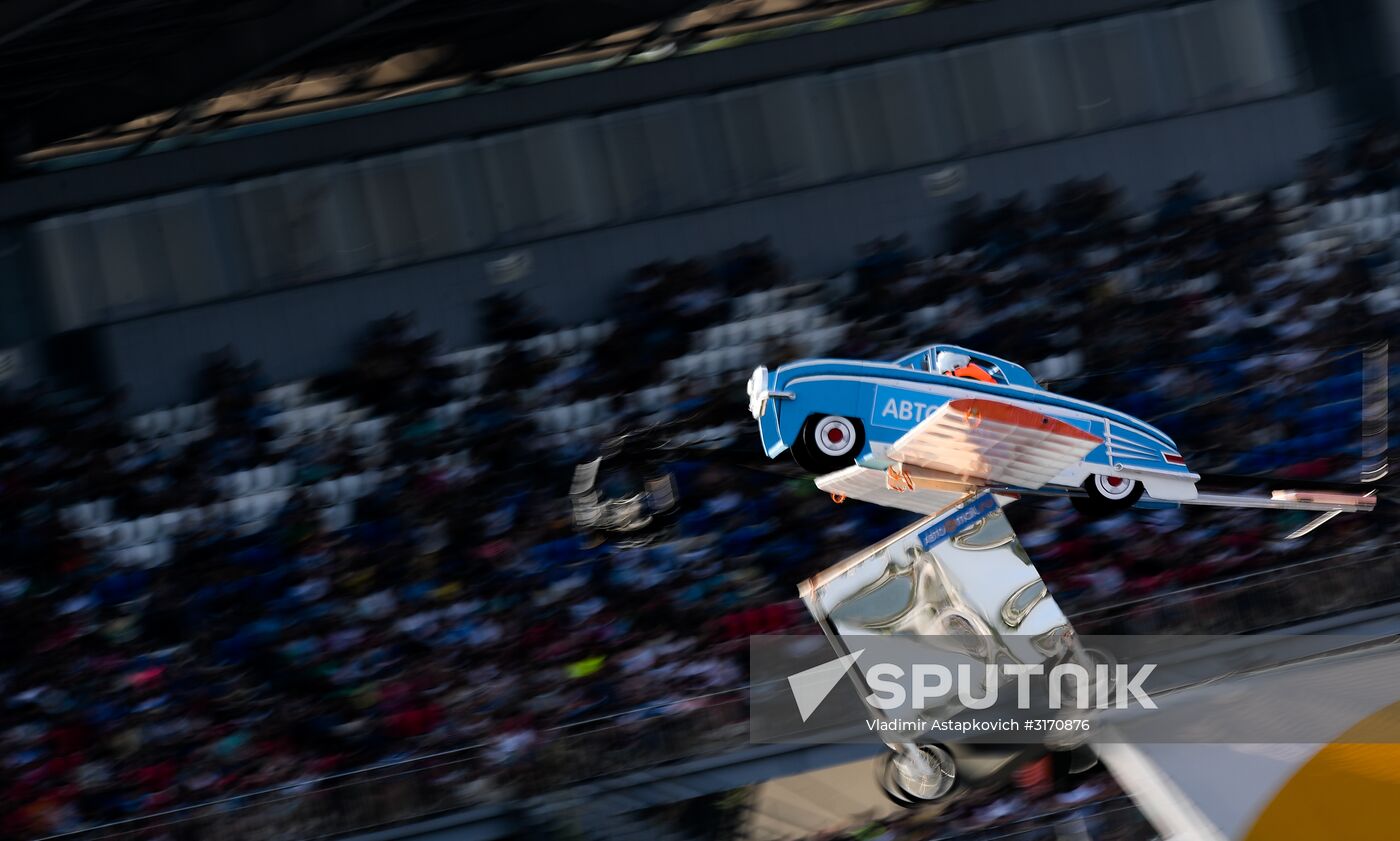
987, 442
870, 486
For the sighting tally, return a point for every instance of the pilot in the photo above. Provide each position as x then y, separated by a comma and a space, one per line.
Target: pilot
961, 365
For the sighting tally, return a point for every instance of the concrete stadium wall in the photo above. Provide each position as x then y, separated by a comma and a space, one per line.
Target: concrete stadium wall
307, 330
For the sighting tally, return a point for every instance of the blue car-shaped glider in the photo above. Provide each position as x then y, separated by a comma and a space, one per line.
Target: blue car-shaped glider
965, 416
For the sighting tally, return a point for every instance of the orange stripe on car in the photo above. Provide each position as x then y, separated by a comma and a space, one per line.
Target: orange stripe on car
991, 411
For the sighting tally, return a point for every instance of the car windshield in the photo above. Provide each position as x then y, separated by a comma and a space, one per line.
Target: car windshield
990, 367
925, 359
921, 361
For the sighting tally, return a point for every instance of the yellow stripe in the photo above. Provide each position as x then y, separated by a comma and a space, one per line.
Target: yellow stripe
1348, 790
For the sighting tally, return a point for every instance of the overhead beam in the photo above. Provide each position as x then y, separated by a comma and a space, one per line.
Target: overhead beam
209, 63
114, 86
21, 17
272, 62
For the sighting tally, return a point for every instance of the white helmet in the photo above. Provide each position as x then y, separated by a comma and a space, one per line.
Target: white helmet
947, 361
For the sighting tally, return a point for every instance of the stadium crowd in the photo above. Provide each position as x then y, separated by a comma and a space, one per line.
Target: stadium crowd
1093, 806
457, 604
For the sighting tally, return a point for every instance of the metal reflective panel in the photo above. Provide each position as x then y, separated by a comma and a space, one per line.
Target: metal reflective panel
1021, 602
957, 582
980, 575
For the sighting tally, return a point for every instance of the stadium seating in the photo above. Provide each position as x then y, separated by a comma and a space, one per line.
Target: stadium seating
368, 540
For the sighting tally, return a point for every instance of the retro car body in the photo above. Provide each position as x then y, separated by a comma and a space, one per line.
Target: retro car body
834, 413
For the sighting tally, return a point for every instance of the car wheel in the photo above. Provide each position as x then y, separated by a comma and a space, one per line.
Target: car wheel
828, 442
911, 781
884, 776
1107, 495
799, 453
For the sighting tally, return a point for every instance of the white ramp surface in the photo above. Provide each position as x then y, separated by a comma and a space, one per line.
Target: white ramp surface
869, 485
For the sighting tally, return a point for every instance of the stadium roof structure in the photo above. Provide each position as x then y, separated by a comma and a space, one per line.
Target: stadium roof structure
84, 75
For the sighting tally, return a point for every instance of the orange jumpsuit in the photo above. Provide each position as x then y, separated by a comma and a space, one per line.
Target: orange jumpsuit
973, 371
